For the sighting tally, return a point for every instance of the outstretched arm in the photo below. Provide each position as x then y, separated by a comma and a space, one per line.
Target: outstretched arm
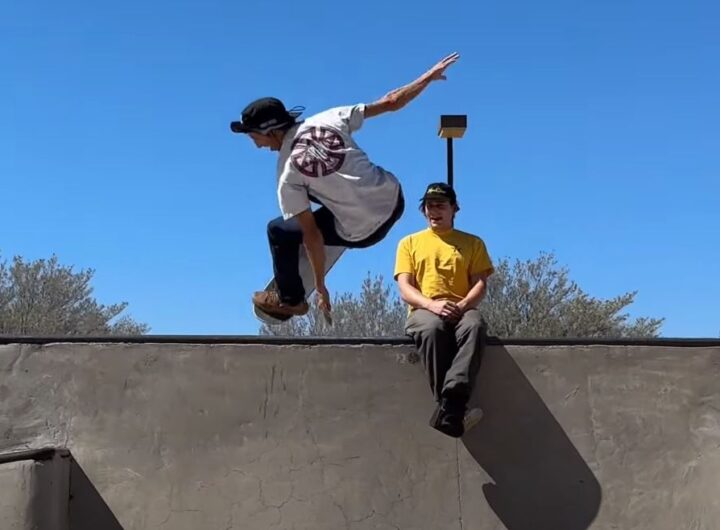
398, 98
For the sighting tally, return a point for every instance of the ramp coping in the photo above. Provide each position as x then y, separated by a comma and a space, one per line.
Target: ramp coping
39, 454
353, 341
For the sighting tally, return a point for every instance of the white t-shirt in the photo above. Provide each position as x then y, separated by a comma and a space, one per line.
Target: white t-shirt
320, 158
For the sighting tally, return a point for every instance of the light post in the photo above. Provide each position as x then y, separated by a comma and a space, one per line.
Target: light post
451, 126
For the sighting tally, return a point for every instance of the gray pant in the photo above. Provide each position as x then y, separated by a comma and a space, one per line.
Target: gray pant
450, 352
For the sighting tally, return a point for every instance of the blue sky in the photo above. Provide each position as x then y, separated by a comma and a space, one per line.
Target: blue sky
594, 133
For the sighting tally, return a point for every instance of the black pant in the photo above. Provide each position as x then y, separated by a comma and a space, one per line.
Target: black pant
285, 238
450, 353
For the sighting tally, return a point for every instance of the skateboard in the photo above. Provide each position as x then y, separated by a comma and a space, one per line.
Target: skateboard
332, 255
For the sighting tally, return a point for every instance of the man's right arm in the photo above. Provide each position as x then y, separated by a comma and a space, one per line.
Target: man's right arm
410, 294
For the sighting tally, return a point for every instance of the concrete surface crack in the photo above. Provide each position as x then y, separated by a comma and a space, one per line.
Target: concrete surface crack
13, 366
594, 422
282, 380
172, 512
342, 511
459, 485
164, 521
395, 503
68, 428
370, 516
571, 395
265, 402
169, 506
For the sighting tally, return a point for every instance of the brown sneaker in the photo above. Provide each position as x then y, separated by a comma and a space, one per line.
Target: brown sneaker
269, 301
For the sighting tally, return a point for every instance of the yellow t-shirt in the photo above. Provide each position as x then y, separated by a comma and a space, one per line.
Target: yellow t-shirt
442, 263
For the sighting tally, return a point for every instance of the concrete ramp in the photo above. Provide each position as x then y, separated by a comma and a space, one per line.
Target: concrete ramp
45, 489
227, 434
15, 494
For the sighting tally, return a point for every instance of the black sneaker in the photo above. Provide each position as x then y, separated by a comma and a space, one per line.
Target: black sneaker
448, 419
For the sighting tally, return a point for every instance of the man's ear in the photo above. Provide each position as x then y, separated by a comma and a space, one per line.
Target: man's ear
457, 207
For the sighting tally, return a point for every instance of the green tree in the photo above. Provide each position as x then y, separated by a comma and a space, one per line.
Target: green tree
534, 298
375, 312
44, 297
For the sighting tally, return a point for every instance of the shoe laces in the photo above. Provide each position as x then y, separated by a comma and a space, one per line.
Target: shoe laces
272, 297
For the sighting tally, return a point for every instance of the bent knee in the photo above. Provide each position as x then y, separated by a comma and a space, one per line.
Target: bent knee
472, 319
426, 323
278, 229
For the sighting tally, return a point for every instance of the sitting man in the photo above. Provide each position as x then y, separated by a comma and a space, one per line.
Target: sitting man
442, 275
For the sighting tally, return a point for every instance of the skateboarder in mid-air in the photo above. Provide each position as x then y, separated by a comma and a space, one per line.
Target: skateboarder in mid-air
320, 162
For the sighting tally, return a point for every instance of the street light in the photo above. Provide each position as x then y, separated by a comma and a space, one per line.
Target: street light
451, 126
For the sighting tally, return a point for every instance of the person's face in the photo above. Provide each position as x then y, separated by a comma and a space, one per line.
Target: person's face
266, 141
439, 213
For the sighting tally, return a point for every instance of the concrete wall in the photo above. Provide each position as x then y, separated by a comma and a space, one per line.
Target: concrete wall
15, 495
326, 438
47, 490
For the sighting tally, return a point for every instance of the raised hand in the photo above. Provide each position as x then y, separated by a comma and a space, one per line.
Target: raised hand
437, 72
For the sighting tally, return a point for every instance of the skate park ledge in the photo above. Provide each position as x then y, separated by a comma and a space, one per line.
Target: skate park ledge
227, 432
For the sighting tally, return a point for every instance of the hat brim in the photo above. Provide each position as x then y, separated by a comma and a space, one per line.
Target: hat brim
238, 127
293, 114
436, 197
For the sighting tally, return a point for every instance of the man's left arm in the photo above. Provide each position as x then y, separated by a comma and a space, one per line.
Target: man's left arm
476, 292
481, 268
315, 247
295, 203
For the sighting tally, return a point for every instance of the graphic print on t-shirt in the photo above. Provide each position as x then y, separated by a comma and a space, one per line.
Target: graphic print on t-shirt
317, 152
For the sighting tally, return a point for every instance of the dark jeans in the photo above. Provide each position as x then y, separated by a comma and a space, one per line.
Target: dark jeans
450, 353
285, 238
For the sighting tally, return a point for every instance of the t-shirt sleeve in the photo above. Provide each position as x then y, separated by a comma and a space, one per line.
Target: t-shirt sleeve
403, 259
349, 118
292, 194
481, 262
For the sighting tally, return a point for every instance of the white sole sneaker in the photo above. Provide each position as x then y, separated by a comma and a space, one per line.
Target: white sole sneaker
472, 418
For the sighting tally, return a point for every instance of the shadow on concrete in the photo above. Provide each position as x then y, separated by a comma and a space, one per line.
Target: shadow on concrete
87, 509
61, 496
540, 480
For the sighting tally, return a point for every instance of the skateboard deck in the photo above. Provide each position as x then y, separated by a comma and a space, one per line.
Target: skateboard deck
332, 255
